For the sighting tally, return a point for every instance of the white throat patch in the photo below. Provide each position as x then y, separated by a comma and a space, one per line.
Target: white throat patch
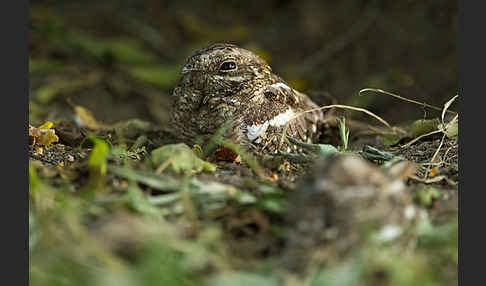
256, 130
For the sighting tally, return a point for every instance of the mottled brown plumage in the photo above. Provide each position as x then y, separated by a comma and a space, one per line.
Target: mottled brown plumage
222, 82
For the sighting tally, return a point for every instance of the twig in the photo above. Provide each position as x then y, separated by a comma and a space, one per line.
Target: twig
403, 98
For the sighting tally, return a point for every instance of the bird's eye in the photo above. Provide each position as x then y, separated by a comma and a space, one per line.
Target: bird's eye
227, 66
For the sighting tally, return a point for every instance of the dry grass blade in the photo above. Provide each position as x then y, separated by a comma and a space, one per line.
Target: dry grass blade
403, 98
420, 137
435, 155
284, 132
443, 129
446, 106
346, 107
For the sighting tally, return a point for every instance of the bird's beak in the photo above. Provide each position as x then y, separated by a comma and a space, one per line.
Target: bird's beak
187, 68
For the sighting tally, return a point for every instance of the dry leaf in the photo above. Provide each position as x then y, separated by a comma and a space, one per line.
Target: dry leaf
43, 135
433, 172
273, 177
85, 118
47, 125
226, 154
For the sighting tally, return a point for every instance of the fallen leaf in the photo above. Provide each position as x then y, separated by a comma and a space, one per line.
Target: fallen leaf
433, 172
452, 130
423, 126
180, 158
47, 137
47, 125
43, 135
85, 118
226, 154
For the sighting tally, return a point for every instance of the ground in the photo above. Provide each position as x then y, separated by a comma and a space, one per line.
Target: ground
105, 209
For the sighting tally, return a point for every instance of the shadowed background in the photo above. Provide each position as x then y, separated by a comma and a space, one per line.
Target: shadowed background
121, 59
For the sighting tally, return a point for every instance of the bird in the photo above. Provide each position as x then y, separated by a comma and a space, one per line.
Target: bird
223, 83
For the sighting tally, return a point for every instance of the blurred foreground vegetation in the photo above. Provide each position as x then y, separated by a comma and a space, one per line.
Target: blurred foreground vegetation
108, 206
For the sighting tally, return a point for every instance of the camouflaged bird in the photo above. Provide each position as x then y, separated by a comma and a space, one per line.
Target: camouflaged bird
222, 82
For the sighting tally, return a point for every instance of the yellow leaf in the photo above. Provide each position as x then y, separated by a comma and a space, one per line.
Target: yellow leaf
47, 137
43, 135
47, 125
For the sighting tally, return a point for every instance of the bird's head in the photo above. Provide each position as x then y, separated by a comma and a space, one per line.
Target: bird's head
220, 68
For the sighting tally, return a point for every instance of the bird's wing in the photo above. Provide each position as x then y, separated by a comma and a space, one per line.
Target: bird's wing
278, 105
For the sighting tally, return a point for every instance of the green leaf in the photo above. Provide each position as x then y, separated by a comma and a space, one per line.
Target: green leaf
321, 150
390, 139
180, 159
423, 126
371, 154
140, 203
156, 181
88, 142
343, 132
97, 158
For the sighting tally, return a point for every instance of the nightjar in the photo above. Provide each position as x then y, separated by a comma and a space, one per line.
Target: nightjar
224, 82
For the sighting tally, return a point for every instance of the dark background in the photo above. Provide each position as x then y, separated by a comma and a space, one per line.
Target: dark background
339, 47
